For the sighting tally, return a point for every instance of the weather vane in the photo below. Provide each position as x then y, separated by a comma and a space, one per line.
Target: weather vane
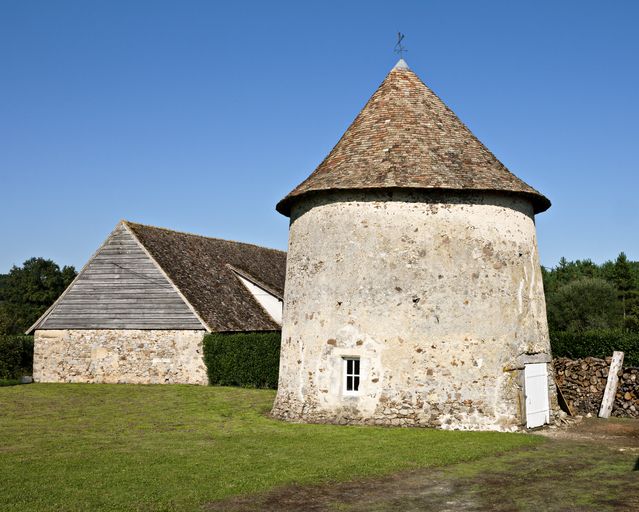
399, 48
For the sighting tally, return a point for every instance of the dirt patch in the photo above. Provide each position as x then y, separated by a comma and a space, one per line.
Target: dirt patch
614, 433
402, 491
592, 466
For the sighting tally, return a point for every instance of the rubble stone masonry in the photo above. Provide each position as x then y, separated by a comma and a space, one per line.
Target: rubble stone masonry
119, 356
440, 297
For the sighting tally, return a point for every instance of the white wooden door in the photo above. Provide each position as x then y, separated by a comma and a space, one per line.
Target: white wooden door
536, 389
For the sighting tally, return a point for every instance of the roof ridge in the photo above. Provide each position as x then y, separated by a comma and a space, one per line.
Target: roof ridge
188, 233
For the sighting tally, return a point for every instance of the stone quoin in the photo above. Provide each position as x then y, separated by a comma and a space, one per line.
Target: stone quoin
413, 287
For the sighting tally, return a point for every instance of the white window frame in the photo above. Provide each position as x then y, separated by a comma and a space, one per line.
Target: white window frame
354, 375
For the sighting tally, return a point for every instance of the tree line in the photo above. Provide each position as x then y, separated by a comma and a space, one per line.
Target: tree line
583, 296
580, 295
26, 292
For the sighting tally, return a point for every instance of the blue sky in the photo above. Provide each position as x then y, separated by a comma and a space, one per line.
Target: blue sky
201, 115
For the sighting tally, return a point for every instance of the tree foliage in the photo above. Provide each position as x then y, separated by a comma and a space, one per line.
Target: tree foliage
581, 295
583, 304
16, 356
27, 291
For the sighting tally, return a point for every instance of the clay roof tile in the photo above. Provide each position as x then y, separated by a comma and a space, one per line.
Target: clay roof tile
204, 270
406, 137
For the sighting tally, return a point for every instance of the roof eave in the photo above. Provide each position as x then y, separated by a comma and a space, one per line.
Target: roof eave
540, 202
284, 206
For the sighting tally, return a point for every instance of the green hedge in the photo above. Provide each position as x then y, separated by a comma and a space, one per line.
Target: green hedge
599, 343
16, 356
243, 359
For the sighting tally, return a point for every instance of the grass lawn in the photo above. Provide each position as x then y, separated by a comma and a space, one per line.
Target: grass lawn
560, 475
122, 447
557, 476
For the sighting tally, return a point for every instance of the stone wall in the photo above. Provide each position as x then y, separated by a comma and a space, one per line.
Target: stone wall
439, 295
119, 356
583, 381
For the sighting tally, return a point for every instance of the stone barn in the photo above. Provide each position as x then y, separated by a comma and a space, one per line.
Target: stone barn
138, 310
413, 288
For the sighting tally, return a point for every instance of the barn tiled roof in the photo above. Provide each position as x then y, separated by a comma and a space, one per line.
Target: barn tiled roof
406, 137
204, 271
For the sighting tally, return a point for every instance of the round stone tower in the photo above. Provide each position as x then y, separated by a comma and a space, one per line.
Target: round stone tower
413, 287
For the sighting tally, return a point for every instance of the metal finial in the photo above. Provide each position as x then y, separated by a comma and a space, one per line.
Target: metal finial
399, 48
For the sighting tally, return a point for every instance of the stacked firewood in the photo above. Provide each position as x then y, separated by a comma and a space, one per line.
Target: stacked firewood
627, 398
582, 383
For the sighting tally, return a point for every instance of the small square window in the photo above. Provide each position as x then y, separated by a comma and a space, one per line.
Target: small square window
351, 375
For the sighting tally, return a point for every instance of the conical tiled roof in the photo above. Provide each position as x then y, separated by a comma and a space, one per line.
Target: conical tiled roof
405, 137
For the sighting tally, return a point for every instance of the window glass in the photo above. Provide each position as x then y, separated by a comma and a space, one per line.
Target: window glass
352, 374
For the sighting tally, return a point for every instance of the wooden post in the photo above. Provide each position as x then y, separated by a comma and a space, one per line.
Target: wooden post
611, 385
